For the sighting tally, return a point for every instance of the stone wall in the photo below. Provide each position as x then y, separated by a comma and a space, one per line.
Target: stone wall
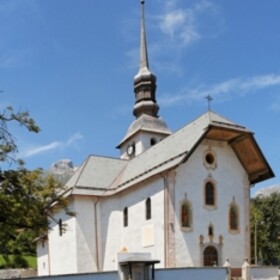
17, 273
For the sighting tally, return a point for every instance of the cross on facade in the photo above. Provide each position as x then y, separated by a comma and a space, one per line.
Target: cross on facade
209, 99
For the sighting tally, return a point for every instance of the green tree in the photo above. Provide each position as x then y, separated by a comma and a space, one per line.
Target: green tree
265, 229
25, 196
8, 145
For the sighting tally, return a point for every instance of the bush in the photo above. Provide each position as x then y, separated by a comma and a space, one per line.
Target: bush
19, 262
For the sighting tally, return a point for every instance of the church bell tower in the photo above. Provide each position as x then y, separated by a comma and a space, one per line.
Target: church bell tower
148, 128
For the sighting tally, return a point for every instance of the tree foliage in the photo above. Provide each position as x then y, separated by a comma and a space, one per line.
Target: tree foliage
7, 140
25, 196
265, 229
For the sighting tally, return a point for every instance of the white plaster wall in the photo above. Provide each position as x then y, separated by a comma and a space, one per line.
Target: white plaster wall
63, 249
75, 250
42, 257
230, 181
86, 234
116, 237
142, 142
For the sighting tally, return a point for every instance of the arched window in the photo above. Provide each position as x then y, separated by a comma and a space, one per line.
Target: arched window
186, 216
148, 209
125, 217
209, 194
233, 217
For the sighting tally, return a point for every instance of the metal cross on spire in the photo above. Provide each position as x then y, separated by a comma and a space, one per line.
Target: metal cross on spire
209, 99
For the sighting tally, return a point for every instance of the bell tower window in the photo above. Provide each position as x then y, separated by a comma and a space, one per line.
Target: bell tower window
131, 150
153, 141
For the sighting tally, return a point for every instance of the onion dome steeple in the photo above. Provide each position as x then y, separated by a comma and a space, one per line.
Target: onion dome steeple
145, 80
148, 128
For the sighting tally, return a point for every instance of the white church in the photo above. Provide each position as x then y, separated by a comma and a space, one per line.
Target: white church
182, 197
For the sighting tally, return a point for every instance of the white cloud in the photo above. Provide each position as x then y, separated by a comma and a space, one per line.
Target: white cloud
172, 30
74, 138
203, 5
180, 26
260, 82
41, 149
224, 90
185, 26
55, 145
172, 21
169, 4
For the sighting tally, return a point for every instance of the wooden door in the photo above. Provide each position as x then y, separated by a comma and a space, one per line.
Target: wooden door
210, 256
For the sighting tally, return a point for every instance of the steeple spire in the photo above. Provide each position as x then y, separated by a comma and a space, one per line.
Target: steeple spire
144, 61
148, 128
145, 80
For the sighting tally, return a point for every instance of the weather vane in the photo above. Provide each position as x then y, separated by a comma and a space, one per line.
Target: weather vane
209, 99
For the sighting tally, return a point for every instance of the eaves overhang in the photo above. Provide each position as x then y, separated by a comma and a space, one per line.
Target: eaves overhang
246, 149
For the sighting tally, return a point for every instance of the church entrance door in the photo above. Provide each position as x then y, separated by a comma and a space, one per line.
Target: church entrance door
210, 256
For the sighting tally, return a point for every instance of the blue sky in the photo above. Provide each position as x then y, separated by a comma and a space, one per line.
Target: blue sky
71, 64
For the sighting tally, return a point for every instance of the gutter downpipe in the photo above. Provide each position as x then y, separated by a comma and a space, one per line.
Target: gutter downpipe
49, 257
169, 249
96, 235
166, 232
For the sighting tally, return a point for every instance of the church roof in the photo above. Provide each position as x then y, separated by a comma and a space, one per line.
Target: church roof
106, 176
96, 173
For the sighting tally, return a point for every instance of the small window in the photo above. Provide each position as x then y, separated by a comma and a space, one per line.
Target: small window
210, 159
131, 149
60, 227
148, 209
153, 141
210, 231
125, 217
186, 217
210, 194
233, 218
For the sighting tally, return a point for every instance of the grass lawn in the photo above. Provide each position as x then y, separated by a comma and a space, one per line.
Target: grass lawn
32, 262
2, 262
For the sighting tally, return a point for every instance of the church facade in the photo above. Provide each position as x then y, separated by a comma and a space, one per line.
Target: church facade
183, 197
